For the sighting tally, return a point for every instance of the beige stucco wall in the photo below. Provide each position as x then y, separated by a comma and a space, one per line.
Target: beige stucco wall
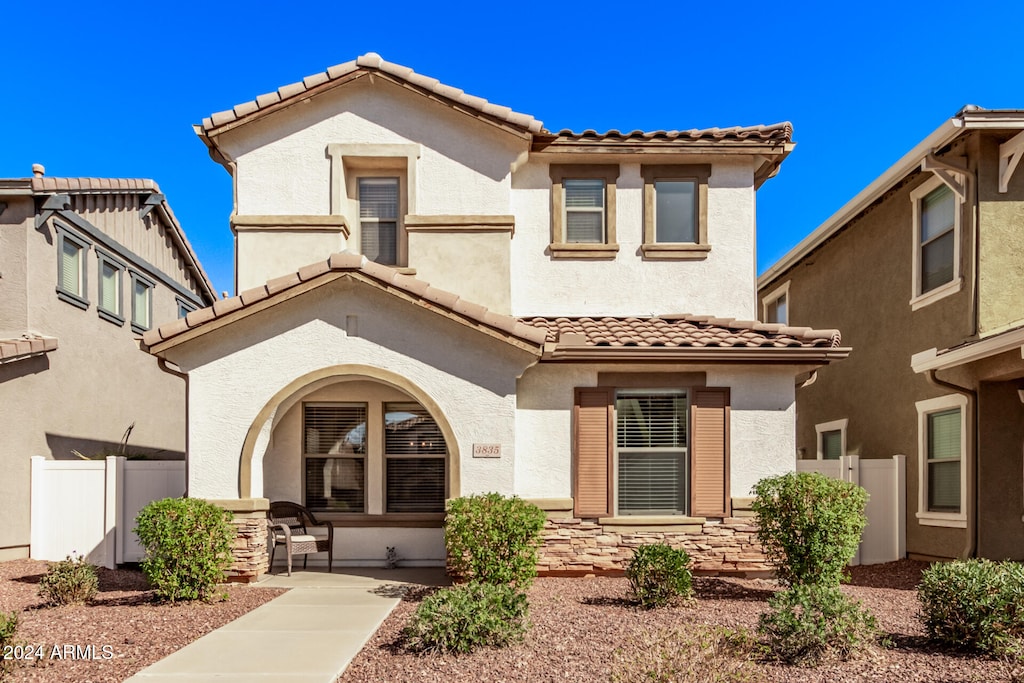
860, 282
262, 255
1001, 249
475, 264
84, 394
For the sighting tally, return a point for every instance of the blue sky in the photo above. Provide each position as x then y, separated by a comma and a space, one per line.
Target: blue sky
112, 89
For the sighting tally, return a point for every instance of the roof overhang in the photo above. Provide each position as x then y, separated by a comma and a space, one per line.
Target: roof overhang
698, 355
934, 359
969, 118
26, 346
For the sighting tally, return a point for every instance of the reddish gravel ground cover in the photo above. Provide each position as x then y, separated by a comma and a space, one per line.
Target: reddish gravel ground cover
584, 630
123, 617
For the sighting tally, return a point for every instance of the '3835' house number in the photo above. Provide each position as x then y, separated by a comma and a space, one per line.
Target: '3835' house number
487, 450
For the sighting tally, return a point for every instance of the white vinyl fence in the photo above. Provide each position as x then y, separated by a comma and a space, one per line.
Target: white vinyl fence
885, 536
89, 507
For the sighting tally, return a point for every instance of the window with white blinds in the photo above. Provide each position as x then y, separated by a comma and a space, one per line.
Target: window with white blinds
651, 452
414, 454
110, 288
943, 462
584, 210
70, 276
334, 454
378, 219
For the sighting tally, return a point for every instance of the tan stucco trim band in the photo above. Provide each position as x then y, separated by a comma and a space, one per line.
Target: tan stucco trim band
452, 223
244, 504
552, 504
305, 223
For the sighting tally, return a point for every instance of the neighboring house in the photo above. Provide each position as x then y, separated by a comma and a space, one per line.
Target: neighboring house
86, 266
549, 357
923, 271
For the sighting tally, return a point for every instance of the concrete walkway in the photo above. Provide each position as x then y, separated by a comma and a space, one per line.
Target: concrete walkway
308, 635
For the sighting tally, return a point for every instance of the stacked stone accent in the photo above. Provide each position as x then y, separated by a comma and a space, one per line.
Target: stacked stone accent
250, 545
573, 546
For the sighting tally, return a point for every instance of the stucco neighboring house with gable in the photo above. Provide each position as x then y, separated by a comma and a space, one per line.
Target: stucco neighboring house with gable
587, 339
86, 266
923, 271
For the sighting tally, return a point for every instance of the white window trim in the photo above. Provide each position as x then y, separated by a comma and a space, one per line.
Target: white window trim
820, 429
773, 296
924, 409
920, 299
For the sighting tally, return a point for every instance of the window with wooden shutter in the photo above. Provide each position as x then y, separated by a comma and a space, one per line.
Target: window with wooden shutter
592, 441
709, 453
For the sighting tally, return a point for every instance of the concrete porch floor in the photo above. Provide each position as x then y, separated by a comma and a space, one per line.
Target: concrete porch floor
308, 635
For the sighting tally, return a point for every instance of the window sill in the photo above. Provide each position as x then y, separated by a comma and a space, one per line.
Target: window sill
139, 329
110, 317
583, 250
946, 519
934, 295
72, 299
675, 251
429, 520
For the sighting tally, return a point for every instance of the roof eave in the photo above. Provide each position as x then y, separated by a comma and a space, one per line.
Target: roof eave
934, 359
706, 354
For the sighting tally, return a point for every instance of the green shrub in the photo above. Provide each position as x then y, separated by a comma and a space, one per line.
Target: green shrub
698, 654
659, 574
808, 624
8, 632
493, 539
463, 618
188, 547
974, 603
71, 581
809, 525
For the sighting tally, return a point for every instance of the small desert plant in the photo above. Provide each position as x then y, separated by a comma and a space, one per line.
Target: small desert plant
808, 624
188, 547
463, 618
977, 604
8, 633
702, 654
71, 581
809, 525
493, 539
658, 575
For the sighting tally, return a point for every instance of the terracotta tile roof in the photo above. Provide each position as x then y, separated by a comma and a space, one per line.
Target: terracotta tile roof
372, 62
356, 265
778, 132
680, 331
48, 184
25, 346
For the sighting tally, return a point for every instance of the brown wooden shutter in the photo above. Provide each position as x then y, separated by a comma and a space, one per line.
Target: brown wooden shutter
592, 443
709, 453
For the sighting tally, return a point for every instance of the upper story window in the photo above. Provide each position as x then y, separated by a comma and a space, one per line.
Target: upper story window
184, 307
776, 305
142, 303
110, 277
378, 219
583, 210
675, 211
71, 270
936, 212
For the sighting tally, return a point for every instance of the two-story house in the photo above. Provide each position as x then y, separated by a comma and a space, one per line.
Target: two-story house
86, 266
923, 271
551, 355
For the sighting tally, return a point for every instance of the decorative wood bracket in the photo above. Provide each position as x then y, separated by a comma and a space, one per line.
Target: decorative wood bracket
52, 204
1010, 153
152, 201
953, 176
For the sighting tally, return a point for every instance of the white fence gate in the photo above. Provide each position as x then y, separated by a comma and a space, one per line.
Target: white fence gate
89, 506
885, 536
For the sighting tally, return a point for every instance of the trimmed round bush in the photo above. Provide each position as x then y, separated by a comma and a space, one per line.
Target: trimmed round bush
72, 581
809, 526
493, 539
188, 547
659, 574
977, 604
809, 624
463, 618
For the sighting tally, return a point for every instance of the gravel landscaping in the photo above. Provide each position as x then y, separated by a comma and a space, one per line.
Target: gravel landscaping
585, 630
119, 633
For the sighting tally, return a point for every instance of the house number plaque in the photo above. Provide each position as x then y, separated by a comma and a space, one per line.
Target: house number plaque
487, 450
